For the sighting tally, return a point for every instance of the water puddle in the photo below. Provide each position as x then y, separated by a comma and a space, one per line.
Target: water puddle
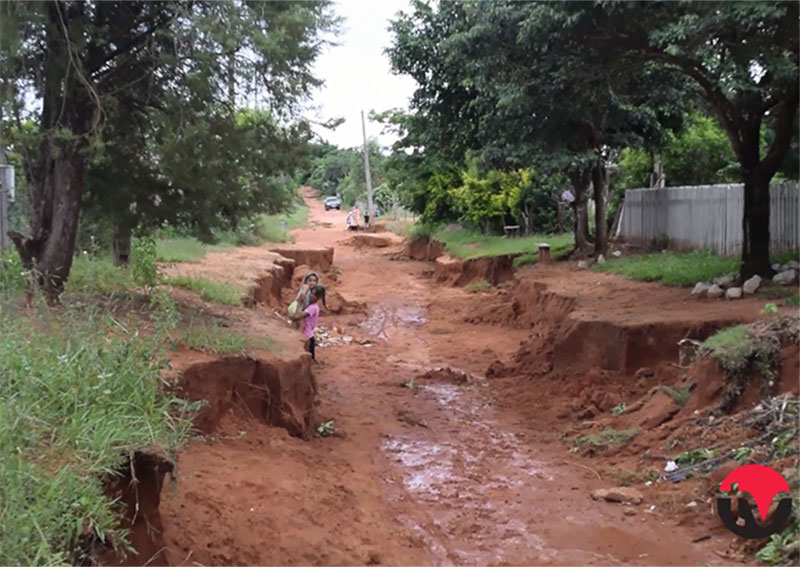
384, 318
469, 477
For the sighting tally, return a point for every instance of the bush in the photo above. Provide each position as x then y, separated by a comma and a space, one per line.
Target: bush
143, 262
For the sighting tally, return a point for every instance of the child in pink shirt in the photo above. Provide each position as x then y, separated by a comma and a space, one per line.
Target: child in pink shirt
311, 317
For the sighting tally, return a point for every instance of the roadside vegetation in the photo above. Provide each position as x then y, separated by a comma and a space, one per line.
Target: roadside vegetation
209, 290
671, 268
80, 393
265, 228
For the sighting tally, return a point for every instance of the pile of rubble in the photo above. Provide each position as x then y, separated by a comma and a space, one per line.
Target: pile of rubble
786, 274
336, 336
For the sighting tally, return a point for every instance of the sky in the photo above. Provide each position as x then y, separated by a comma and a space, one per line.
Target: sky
357, 73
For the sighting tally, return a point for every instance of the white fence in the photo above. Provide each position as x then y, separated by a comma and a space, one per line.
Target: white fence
706, 217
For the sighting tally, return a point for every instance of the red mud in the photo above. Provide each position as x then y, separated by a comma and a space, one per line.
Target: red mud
494, 270
424, 249
458, 469
319, 258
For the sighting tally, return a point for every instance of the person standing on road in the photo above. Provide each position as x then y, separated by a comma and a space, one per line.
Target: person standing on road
310, 317
303, 297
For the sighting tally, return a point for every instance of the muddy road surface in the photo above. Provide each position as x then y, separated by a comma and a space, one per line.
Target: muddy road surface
426, 465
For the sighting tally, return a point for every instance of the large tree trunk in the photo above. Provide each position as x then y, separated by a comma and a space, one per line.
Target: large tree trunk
55, 178
122, 245
580, 183
755, 225
600, 184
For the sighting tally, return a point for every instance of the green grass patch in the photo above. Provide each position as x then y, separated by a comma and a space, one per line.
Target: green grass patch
671, 268
268, 227
793, 299
98, 275
216, 339
783, 257
477, 287
681, 395
467, 244
742, 354
606, 439
525, 260
216, 292
181, 249
79, 393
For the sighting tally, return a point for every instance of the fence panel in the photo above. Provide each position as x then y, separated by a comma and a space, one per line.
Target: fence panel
706, 217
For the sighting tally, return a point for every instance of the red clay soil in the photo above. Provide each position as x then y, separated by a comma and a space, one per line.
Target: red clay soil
458, 468
494, 270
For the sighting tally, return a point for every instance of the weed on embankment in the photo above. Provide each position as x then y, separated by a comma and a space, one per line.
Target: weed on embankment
79, 394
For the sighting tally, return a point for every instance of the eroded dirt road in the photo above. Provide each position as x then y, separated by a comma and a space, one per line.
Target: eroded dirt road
439, 473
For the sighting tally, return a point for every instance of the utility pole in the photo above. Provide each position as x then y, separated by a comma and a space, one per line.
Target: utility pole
367, 174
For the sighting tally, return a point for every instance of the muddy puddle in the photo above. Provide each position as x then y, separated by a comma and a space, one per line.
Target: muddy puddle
470, 473
385, 318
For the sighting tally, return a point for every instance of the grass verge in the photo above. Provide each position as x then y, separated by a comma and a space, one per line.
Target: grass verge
606, 439
209, 290
467, 245
215, 339
671, 268
79, 393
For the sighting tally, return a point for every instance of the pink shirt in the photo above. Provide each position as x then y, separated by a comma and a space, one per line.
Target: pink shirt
311, 320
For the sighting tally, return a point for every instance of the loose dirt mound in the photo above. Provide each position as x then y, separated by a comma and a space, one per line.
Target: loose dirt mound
276, 392
370, 241
338, 305
318, 258
445, 375
424, 249
494, 270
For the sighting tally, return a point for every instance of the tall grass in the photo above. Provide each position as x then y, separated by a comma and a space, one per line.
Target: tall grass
78, 394
218, 292
671, 268
180, 249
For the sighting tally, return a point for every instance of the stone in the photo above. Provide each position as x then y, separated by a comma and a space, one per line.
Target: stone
700, 288
601, 259
785, 278
792, 265
715, 291
645, 372
629, 512
751, 285
733, 293
582, 265
723, 281
619, 494
776, 267
616, 253
658, 409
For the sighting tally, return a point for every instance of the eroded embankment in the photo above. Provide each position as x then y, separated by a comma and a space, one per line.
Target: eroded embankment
280, 393
276, 392
454, 271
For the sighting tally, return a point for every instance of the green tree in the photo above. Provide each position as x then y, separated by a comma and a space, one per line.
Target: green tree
743, 57
96, 65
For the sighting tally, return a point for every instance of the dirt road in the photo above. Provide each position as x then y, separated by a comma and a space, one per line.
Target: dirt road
441, 473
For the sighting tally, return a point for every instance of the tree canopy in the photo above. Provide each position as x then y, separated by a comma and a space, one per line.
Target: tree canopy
140, 101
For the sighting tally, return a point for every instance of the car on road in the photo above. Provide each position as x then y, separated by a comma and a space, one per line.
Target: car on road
333, 203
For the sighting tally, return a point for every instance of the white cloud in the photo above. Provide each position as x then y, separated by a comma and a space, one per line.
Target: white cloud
357, 73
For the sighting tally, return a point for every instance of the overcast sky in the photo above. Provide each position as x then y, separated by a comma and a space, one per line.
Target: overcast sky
357, 74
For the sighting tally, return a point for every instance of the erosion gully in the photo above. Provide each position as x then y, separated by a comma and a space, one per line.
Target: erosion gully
440, 472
